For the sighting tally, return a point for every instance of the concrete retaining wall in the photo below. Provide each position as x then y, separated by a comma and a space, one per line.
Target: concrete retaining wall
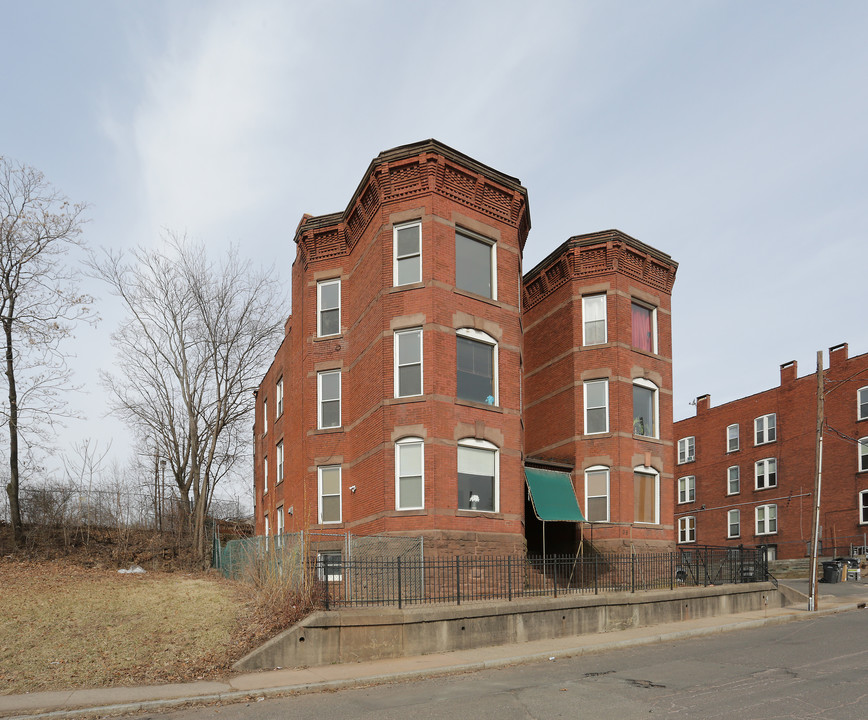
354, 635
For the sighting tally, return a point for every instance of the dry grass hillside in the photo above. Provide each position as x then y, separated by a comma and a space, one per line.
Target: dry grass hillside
73, 621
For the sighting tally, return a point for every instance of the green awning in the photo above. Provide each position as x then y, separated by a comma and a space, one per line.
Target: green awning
553, 497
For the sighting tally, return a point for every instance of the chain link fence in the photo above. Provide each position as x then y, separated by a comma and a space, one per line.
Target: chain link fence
322, 557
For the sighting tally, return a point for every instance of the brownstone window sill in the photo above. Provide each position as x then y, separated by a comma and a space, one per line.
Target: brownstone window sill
481, 406
478, 513
404, 400
408, 286
481, 298
656, 441
327, 431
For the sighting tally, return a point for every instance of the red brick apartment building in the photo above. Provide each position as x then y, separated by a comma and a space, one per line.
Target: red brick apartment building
745, 470
420, 373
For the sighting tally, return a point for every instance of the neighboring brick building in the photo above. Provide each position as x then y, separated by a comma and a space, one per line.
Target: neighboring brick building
394, 403
746, 470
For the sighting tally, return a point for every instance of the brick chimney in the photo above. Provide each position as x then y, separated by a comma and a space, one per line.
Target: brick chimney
789, 372
837, 354
703, 403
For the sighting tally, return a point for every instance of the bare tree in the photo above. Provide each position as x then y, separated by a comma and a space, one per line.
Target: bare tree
39, 303
196, 340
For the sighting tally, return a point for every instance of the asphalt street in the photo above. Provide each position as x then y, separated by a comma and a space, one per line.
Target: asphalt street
810, 669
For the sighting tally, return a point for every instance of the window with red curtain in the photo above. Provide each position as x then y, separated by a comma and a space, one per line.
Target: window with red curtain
643, 328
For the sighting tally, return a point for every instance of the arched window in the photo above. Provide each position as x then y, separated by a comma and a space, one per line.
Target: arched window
645, 408
478, 475
597, 494
410, 473
477, 366
646, 495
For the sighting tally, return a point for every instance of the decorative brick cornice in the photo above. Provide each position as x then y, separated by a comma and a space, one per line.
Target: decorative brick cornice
586, 256
411, 171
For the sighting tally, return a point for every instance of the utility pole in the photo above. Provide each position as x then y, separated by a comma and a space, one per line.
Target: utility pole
818, 482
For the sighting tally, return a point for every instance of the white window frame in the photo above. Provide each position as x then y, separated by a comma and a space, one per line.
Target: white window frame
733, 517
588, 496
651, 472
485, 338
492, 258
280, 528
396, 258
397, 340
862, 403
648, 385
762, 428
339, 495
687, 529
320, 309
279, 453
265, 474
483, 445
863, 507
320, 399
266, 531
653, 310
399, 445
765, 463
278, 388
264, 415
768, 522
730, 479
585, 385
686, 489
585, 300
863, 454
733, 440
687, 449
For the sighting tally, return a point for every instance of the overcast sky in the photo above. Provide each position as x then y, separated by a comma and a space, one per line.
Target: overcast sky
731, 135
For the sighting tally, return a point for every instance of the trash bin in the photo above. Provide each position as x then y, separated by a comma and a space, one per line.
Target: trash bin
831, 571
852, 565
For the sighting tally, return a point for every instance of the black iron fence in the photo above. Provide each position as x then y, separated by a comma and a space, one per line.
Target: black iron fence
402, 582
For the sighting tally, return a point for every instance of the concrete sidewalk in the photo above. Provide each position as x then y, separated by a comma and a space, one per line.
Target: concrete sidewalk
107, 701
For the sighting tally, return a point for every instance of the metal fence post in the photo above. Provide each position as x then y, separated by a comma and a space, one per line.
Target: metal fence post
325, 562
671, 570
632, 572
458, 579
399, 582
555, 575
509, 575
596, 579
